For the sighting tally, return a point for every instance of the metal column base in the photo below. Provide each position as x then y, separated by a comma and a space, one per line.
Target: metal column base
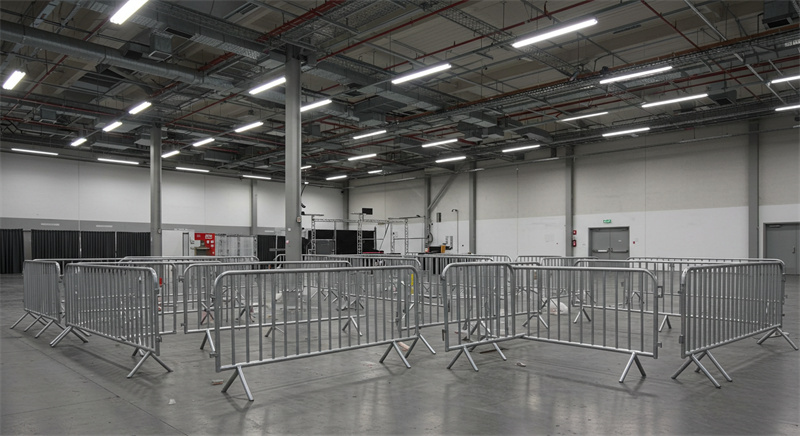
634, 359
238, 373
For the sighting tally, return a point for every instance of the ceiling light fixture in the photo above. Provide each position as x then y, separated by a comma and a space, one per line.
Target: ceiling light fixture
268, 85
580, 117
248, 176
126, 11
315, 105
140, 107
625, 132
77, 142
635, 75
203, 142
421, 73
374, 171
564, 28
446, 141
112, 126
126, 162
25, 150
451, 159
363, 156
13, 79
170, 154
305, 167
787, 108
249, 126
343, 176
781, 80
526, 147
674, 100
195, 170
366, 135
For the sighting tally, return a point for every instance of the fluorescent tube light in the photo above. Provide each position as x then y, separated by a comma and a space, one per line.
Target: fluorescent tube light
526, 147
305, 167
140, 107
125, 12
635, 75
374, 171
451, 159
195, 170
580, 117
77, 142
315, 105
203, 142
13, 79
363, 156
674, 100
421, 73
249, 126
25, 150
781, 80
446, 141
555, 32
170, 154
268, 85
366, 135
127, 162
787, 108
344, 176
625, 132
248, 176
112, 126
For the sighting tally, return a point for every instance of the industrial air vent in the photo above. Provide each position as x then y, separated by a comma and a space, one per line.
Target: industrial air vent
778, 13
160, 47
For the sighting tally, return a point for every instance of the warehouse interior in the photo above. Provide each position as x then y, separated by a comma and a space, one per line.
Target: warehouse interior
594, 128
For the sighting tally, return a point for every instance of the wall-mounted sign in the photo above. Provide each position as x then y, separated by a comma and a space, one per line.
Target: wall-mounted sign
606, 221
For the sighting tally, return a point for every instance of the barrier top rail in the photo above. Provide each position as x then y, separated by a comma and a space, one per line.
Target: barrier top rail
716, 260
190, 258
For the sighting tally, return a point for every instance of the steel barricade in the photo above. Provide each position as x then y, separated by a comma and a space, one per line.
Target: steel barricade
480, 304
366, 260
530, 258
563, 261
725, 303
62, 262
42, 295
116, 302
170, 296
198, 293
367, 311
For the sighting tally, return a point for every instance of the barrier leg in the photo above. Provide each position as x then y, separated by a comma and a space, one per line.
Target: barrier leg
21, 318
61, 336
351, 320
696, 360
464, 351
425, 341
497, 348
634, 359
396, 347
49, 323
582, 312
772, 334
207, 338
80, 334
666, 321
141, 361
719, 367
38, 319
238, 373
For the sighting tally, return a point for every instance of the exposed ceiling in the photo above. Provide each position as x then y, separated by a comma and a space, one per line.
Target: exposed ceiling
195, 61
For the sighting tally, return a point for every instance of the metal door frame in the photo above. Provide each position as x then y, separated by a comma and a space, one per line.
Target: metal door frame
628, 229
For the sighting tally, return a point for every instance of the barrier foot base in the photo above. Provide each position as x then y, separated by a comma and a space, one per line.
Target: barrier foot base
634, 359
20, 319
63, 334
207, 338
240, 374
396, 348
49, 323
469, 357
582, 312
141, 361
351, 320
425, 341
774, 333
696, 360
38, 319
666, 321
497, 348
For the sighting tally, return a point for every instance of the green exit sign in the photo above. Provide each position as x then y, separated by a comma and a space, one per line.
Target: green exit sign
606, 221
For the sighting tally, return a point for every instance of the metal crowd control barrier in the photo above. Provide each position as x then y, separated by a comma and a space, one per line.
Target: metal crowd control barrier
193, 259
563, 261
725, 303
365, 260
170, 297
367, 311
62, 262
530, 258
116, 302
584, 307
199, 302
42, 295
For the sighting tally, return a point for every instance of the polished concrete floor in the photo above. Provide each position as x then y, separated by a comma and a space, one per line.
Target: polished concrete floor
78, 388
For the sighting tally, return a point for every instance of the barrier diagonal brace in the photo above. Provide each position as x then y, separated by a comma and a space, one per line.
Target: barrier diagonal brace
63, 334
141, 361
396, 348
210, 340
21, 318
240, 374
665, 322
774, 333
634, 359
696, 359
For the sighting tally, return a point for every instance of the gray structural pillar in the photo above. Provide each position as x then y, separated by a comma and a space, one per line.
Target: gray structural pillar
253, 208
752, 190
569, 164
155, 190
294, 221
473, 211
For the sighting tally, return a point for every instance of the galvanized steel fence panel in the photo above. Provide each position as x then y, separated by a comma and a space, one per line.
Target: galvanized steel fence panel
294, 318
41, 297
563, 261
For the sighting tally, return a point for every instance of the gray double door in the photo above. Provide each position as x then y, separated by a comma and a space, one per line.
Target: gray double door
610, 243
782, 241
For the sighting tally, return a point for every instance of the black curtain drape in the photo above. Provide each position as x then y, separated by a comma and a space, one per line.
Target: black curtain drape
97, 245
133, 244
12, 251
55, 244
268, 247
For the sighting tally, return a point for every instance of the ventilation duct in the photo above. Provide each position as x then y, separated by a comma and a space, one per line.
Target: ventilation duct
778, 13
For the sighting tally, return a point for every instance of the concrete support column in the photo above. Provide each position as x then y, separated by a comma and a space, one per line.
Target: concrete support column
569, 194
253, 208
428, 214
155, 191
294, 221
473, 211
753, 224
